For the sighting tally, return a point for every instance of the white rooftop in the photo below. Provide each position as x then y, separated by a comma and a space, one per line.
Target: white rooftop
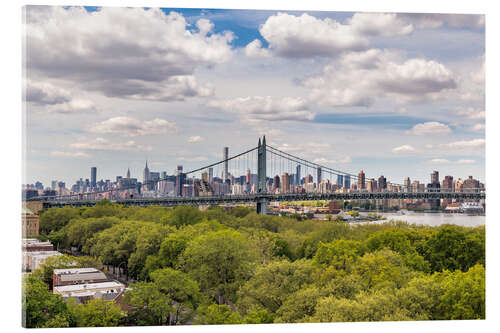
89, 286
75, 270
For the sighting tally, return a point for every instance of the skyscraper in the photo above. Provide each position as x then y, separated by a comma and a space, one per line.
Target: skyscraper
382, 183
435, 177
93, 177
276, 182
318, 175
407, 184
210, 175
225, 156
347, 181
340, 180
285, 183
297, 175
128, 173
145, 176
361, 180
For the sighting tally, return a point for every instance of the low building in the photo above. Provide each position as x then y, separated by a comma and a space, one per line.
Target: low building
34, 245
453, 207
71, 276
33, 259
82, 293
30, 222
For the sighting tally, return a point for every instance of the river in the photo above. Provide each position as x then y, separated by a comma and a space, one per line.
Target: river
435, 219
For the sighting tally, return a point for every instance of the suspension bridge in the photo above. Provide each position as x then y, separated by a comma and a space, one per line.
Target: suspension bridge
199, 186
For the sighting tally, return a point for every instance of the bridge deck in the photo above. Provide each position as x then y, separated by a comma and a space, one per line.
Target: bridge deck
227, 199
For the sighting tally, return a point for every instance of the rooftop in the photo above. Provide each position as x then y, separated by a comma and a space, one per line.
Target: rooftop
75, 270
89, 286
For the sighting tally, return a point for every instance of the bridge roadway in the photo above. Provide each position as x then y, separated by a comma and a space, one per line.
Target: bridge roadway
267, 197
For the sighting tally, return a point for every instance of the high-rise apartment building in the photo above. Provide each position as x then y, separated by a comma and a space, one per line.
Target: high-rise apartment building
382, 183
276, 182
361, 180
309, 179
285, 183
407, 184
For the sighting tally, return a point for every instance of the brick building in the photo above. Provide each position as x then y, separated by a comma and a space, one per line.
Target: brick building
30, 222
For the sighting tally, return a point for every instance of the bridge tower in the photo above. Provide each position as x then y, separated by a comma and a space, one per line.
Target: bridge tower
261, 175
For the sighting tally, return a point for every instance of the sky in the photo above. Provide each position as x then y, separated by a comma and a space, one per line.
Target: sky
392, 94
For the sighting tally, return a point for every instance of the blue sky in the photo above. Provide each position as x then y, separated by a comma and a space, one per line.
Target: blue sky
393, 94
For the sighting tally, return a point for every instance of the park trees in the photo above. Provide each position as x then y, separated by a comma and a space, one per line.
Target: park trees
42, 308
220, 261
273, 283
96, 313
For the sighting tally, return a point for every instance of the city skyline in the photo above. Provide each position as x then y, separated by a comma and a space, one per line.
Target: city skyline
427, 115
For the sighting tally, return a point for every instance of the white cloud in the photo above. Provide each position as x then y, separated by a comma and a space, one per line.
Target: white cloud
254, 49
266, 108
380, 24
439, 161
479, 127
55, 99
471, 113
44, 93
342, 160
196, 138
429, 20
430, 128
307, 36
475, 143
73, 107
123, 52
479, 76
70, 154
359, 78
466, 161
192, 159
101, 144
403, 149
127, 126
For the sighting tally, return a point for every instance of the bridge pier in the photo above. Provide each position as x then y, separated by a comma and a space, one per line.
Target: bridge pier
262, 206
261, 176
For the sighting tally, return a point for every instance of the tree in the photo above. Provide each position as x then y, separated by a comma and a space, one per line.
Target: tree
271, 284
215, 314
383, 268
96, 313
184, 215
54, 219
79, 230
219, 261
340, 253
41, 308
380, 305
464, 294
453, 248
150, 305
183, 292
299, 305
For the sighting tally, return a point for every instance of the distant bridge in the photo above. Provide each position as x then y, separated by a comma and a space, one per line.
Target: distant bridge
279, 162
